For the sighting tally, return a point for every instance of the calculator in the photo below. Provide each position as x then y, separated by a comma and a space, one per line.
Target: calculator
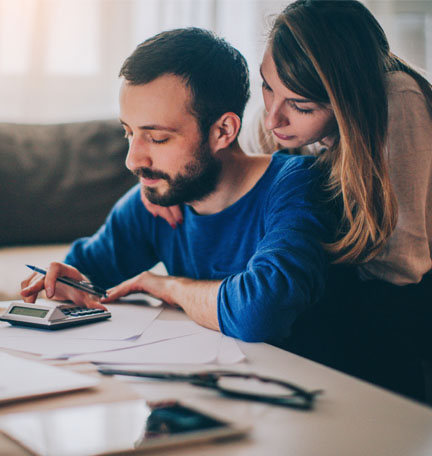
51, 314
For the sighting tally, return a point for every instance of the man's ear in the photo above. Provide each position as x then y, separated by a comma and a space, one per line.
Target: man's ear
224, 131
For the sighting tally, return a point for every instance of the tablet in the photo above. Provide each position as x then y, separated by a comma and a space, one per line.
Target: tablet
116, 429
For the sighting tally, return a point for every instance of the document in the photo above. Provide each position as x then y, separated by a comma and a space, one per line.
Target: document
157, 331
132, 335
66, 347
21, 378
201, 348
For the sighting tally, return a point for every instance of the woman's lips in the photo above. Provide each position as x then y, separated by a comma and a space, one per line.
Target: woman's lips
283, 137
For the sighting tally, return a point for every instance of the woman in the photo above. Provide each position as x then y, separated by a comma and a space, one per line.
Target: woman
330, 56
334, 55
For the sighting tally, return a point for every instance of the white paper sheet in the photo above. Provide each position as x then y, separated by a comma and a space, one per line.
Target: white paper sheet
22, 378
229, 352
158, 331
198, 348
67, 347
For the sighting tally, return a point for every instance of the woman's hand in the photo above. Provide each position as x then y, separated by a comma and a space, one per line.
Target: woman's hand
35, 283
171, 214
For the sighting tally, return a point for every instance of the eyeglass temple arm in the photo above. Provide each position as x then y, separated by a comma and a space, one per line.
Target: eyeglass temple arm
213, 376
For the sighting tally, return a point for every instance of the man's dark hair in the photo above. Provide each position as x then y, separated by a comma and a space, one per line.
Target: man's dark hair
216, 73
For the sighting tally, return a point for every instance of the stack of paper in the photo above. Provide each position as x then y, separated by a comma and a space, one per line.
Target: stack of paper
131, 336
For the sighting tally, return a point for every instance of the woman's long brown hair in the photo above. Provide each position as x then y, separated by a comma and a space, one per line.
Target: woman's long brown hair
335, 52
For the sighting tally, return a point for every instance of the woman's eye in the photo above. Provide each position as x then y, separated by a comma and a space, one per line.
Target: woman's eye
301, 110
265, 86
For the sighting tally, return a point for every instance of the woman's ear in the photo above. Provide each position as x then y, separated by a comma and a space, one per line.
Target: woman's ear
224, 131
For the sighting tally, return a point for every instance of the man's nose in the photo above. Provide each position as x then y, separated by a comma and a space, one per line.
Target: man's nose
138, 155
275, 117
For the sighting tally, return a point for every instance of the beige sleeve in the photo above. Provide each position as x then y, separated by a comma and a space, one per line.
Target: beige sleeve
407, 255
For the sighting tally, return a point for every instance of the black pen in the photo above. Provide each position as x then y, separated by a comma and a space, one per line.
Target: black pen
82, 285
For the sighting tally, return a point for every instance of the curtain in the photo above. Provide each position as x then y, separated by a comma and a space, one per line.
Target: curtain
59, 59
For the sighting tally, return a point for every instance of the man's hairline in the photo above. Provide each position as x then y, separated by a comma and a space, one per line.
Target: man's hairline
190, 95
189, 108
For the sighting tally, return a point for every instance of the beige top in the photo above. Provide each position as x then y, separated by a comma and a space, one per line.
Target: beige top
407, 255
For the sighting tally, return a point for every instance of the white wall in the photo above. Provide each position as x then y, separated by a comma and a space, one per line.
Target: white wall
59, 59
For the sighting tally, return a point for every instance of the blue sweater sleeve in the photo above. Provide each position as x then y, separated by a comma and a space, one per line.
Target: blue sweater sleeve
121, 248
286, 274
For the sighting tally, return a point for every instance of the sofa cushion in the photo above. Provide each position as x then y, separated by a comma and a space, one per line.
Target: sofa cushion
59, 181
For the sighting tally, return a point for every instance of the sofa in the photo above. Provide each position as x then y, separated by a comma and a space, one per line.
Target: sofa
57, 183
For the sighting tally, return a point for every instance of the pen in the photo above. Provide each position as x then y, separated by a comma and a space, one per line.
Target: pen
82, 285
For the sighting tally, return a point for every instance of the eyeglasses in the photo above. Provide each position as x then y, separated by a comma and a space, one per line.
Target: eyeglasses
236, 385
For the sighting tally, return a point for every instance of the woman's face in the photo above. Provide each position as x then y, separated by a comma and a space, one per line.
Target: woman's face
294, 120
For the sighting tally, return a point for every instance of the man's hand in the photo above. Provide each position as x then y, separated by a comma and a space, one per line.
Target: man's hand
198, 298
36, 282
146, 282
171, 214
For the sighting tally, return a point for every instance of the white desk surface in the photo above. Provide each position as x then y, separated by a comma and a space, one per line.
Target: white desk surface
351, 418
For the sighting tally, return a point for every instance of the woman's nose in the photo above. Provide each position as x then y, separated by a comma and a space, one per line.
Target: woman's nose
275, 118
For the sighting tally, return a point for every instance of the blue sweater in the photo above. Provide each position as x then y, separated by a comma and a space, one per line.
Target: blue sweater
266, 248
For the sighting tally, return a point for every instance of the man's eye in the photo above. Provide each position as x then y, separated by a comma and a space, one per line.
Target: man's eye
159, 141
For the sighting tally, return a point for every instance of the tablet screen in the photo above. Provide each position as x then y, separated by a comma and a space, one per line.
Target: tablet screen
174, 418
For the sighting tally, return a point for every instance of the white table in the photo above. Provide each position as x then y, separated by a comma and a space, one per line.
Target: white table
351, 418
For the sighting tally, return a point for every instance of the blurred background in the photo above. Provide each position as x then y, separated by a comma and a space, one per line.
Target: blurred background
59, 59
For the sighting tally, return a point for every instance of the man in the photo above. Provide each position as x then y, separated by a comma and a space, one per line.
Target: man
248, 258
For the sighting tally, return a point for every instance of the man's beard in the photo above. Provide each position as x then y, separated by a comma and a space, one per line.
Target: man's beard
199, 179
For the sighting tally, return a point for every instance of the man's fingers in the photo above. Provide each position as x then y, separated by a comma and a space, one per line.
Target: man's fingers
116, 293
26, 282
31, 299
57, 290
123, 289
32, 287
56, 270
92, 304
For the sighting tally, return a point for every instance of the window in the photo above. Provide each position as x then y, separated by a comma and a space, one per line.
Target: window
59, 59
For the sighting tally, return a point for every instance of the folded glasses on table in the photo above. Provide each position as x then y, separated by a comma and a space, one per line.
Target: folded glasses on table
234, 384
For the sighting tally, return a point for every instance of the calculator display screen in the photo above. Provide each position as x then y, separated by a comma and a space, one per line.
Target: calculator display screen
28, 311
